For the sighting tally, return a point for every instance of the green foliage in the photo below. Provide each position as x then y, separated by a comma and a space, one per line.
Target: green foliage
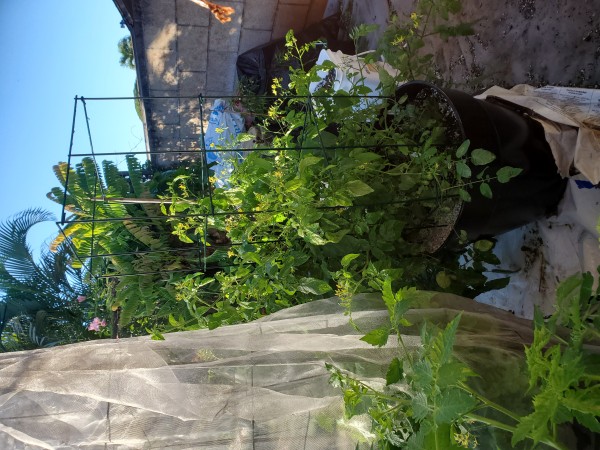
564, 376
127, 58
141, 255
38, 303
427, 400
423, 403
335, 179
405, 43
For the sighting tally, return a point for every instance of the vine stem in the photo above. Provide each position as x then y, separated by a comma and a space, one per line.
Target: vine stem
376, 393
471, 183
406, 352
512, 430
489, 403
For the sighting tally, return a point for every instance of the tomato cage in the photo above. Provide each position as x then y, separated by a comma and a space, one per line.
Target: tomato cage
229, 178
111, 215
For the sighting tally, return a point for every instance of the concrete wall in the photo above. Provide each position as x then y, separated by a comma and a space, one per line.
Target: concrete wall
182, 50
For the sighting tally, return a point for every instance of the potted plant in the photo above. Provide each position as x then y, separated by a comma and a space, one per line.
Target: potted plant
345, 195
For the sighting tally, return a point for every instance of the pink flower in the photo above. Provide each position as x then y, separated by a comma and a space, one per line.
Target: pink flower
96, 324
81, 298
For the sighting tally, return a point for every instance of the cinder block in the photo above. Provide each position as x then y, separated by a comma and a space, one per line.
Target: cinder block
172, 95
192, 47
162, 131
221, 75
191, 130
259, 14
253, 38
190, 125
190, 107
192, 83
161, 37
161, 66
158, 12
225, 37
289, 17
189, 13
163, 113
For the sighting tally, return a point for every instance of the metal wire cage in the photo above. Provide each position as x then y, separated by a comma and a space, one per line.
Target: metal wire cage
129, 228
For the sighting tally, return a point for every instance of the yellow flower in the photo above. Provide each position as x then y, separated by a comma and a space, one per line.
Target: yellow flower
462, 439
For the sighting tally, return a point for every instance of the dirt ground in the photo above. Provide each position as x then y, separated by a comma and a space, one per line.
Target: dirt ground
538, 42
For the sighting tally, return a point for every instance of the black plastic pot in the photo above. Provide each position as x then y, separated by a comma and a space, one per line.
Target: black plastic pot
517, 141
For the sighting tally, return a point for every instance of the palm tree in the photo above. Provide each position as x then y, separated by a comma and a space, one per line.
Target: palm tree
126, 50
42, 294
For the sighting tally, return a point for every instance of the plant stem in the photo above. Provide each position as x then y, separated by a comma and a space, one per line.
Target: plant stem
489, 403
406, 352
512, 430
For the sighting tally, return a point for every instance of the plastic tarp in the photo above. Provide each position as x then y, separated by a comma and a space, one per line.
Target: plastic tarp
541, 254
220, 140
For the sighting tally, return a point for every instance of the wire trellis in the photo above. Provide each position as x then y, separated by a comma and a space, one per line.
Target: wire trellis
197, 256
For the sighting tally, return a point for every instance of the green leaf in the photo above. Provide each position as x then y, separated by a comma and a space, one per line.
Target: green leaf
481, 157
454, 403
483, 245
444, 341
498, 283
588, 421
388, 295
342, 101
534, 426
485, 190
358, 188
464, 195
506, 173
377, 337
462, 150
251, 257
311, 237
245, 137
419, 405
394, 372
404, 299
366, 157
443, 280
313, 286
155, 335
172, 321
308, 161
407, 182
451, 373
336, 237
346, 260
391, 230
463, 170
293, 184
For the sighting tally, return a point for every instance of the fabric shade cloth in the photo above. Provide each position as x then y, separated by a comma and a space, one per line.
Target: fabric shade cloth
261, 385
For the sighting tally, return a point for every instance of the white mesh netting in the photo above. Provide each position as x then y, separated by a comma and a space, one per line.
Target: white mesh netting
261, 385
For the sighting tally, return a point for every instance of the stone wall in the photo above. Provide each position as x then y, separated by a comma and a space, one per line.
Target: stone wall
181, 50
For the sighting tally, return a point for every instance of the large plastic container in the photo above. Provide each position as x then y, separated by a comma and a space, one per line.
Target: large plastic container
517, 140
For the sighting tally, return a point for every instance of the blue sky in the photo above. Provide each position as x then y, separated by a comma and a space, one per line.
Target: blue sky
51, 51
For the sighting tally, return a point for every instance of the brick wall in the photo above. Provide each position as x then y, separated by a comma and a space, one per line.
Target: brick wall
182, 50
